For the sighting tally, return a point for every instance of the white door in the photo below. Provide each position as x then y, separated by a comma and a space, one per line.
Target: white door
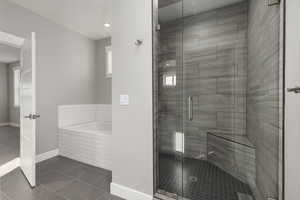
28, 109
292, 102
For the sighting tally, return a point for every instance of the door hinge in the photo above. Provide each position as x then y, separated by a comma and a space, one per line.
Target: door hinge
273, 2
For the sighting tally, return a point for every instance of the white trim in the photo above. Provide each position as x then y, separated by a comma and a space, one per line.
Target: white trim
4, 124
15, 163
11, 40
14, 124
47, 155
10, 166
128, 193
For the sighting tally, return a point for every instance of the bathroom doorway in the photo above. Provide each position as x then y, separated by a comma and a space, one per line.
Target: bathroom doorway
18, 105
9, 103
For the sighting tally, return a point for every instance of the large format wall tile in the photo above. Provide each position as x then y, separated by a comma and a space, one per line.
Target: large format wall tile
263, 127
208, 54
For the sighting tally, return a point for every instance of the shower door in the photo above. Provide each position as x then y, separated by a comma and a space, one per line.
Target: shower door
216, 164
217, 100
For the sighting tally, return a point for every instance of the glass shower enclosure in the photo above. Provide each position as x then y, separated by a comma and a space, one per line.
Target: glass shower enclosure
217, 80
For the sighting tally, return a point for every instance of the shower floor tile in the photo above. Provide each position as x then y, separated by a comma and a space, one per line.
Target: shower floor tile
198, 180
59, 178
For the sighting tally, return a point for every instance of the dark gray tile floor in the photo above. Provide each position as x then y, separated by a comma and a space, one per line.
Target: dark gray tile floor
198, 180
9, 144
59, 179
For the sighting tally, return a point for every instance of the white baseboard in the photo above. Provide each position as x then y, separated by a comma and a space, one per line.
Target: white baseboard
10, 124
47, 155
4, 124
10, 166
15, 163
128, 193
14, 124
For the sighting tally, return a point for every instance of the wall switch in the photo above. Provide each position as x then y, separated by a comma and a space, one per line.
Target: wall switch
124, 99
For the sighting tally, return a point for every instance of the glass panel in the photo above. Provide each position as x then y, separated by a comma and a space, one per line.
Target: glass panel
168, 92
230, 94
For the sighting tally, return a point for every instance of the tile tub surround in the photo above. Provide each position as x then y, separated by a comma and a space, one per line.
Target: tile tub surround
9, 144
59, 178
89, 143
214, 74
69, 115
85, 134
263, 102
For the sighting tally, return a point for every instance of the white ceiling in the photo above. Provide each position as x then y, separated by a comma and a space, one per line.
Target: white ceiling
84, 16
190, 7
9, 54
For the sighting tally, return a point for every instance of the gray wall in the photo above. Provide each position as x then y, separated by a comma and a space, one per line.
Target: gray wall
3, 93
14, 112
103, 83
292, 125
263, 109
65, 67
132, 161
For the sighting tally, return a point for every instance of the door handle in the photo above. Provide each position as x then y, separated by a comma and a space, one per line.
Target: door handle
295, 89
32, 117
190, 102
28, 116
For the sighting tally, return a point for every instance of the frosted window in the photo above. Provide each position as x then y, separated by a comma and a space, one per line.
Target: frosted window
108, 61
16, 87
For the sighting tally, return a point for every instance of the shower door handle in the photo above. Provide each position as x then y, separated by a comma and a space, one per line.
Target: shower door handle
190, 104
295, 89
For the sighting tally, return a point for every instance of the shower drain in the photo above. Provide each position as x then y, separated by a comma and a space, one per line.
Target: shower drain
193, 179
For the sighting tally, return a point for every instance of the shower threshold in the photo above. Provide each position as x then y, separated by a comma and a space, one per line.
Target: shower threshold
164, 195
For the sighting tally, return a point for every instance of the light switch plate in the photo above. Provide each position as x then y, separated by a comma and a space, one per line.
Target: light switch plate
124, 99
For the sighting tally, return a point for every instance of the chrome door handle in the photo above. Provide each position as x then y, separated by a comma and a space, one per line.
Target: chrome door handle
36, 116
28, 116
295, 89
190, 102
32, 117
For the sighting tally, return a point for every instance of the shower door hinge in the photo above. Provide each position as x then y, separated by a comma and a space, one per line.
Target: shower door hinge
273, 2
157, 27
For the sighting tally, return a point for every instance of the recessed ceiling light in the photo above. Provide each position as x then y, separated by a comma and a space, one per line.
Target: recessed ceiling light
107, 25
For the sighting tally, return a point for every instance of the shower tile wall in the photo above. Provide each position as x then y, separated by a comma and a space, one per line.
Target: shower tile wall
214, 74
263, 109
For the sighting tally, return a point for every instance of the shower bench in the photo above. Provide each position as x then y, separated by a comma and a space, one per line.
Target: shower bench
234, 154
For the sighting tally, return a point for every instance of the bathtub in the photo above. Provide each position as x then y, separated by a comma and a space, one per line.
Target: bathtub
88, 142
92, 128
